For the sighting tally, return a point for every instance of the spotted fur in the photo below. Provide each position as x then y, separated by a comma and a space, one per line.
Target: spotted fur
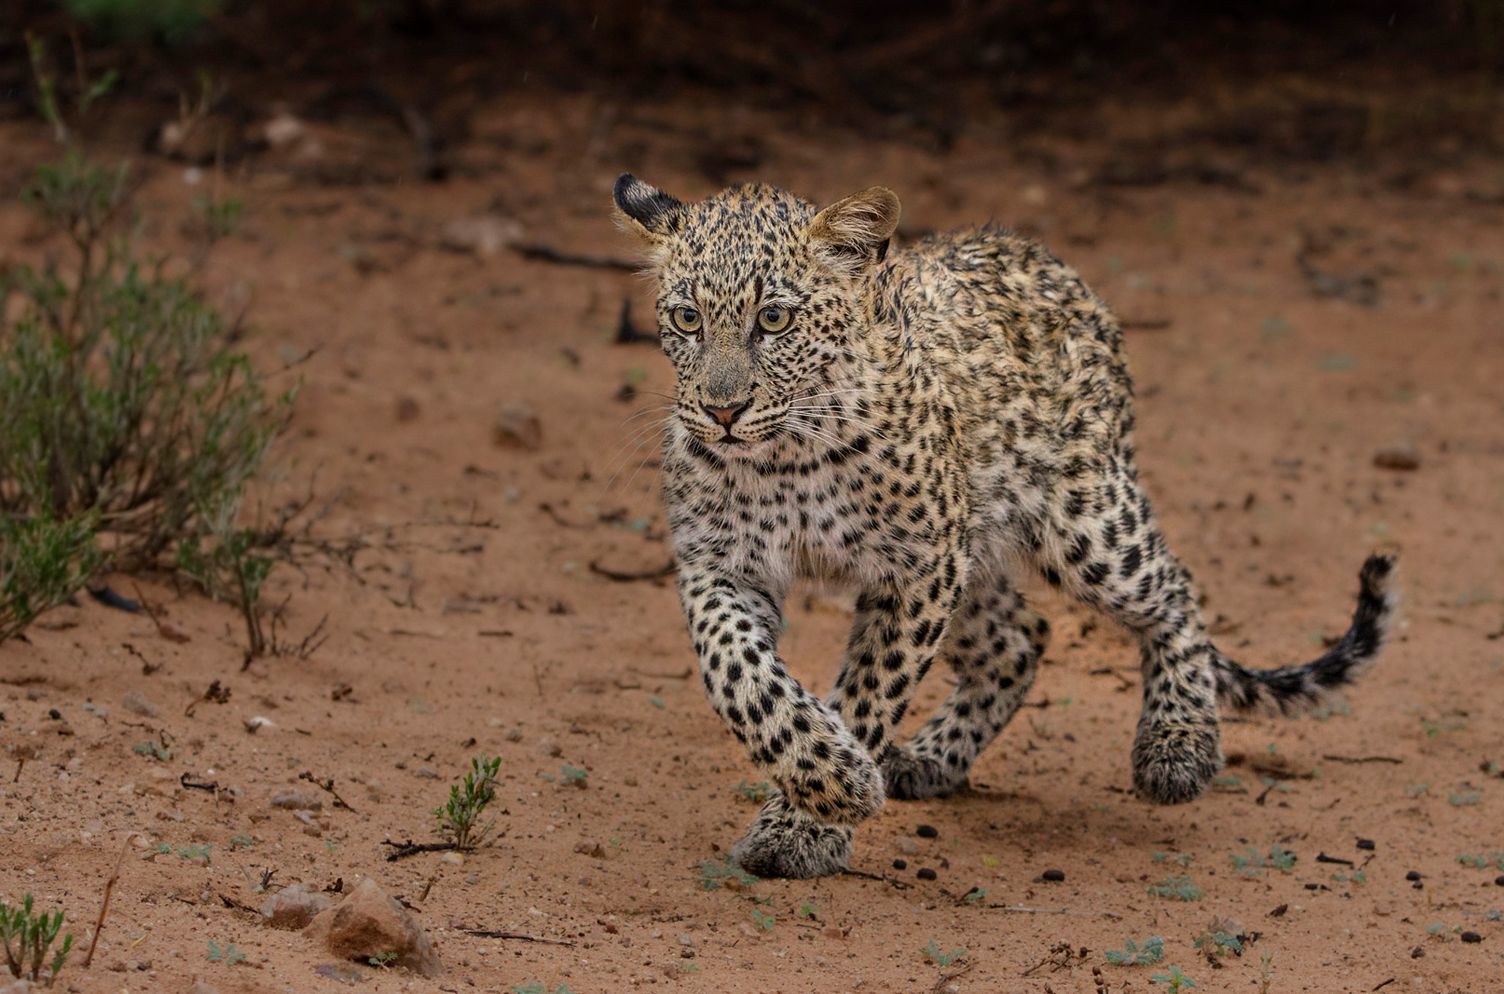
930, 424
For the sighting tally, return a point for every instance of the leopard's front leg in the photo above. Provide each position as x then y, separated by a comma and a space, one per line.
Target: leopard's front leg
827, 780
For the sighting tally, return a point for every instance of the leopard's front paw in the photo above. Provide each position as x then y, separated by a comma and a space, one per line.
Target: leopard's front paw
836, 780
911, 776
786, 842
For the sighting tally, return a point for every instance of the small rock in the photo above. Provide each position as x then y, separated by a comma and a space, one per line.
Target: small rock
137, 703
591, 848
1403, 456
1053, 876
18, 987
833, 932
294, 907
256, 724
1471, 937
900, 864
296, 800
199, 987
1366, 844
925, 873
927, 832
482, 234
367, 923
283, 129
1499, 881
906, 845
1413, 875
517, 427
549, 746
426, 772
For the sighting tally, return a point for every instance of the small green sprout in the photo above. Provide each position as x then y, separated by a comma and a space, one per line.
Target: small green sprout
460, 817
573, 776
763, 920
28, 937
382, 960
714, 874
934, 955
1216, 944
1250, 862
809, 910
1180, 888
152, 748
1133, 954
975, 895
228, 954
1174, 980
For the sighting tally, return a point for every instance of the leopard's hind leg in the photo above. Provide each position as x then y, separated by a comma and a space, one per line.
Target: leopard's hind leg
993, 646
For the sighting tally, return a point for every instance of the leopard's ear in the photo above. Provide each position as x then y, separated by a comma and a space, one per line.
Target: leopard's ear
854, 232
646, 210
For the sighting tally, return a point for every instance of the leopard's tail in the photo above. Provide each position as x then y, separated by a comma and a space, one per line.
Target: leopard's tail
1292, 690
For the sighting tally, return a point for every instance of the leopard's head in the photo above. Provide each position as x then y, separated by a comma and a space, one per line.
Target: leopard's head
759, 299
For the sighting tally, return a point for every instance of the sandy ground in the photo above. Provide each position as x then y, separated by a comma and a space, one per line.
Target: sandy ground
467, 619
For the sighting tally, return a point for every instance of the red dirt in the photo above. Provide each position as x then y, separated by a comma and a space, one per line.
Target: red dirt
471, 622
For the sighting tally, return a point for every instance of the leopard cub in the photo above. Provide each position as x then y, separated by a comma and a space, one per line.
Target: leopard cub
926, 423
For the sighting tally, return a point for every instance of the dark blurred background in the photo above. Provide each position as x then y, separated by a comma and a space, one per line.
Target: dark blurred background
1398, 86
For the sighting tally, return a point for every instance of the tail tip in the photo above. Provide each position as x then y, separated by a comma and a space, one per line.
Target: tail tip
1376, 576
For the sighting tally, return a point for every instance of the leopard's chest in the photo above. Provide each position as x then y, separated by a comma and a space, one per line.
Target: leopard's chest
843, 520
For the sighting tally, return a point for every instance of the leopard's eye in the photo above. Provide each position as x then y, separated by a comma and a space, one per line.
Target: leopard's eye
772, 320
687, 320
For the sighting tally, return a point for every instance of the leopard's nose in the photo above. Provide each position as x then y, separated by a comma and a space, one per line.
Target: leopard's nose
727, 414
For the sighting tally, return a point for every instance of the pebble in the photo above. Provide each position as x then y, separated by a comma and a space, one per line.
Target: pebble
426, 772
1499, 881
1403, 456
1413, 875
549, 746
517, 427
1366, 844
925, 873
927, 832
905, 845
1053, 876
137, 703
296, 800
903, 864
1471, 937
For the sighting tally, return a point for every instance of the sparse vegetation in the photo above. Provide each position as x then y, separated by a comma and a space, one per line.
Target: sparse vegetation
129, 426
762, 920
381, 961
536, 987
28, 938
460, 817
1174, 980
228, 954
1133, 954
941, 959
714, 874
1217, 944
1180, 888
1251, 863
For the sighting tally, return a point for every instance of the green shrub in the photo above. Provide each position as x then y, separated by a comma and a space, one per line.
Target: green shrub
171, 20
129, 425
